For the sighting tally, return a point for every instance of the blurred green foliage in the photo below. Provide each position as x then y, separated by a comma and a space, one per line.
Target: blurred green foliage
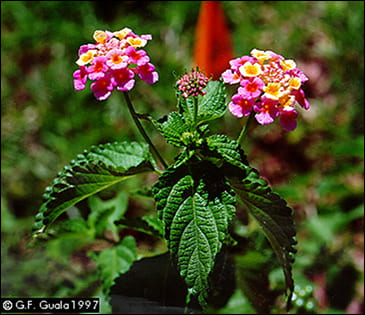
318, 168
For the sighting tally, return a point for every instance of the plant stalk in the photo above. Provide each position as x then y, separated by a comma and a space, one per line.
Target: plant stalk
245, 128
195, 109
142, 131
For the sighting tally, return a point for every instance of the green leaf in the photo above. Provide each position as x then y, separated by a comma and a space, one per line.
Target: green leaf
104, 213
268, 208
252, 269
151, 225
64, 245
173, 127
115, 261
210, 106
91, 172
225, 149
196, 205
273, 215
155, 224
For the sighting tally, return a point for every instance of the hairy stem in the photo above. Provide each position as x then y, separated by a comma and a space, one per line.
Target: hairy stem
142, 131
245, 128
195, 108
195, 112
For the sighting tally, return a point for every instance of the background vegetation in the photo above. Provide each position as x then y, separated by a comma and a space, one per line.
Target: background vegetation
318, 168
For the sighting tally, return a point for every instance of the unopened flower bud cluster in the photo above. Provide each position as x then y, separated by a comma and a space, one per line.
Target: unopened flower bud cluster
192, 84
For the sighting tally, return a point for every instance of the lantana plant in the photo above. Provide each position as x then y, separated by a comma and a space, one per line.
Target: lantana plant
196, 196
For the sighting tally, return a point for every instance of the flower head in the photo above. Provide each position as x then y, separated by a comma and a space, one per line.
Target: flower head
192, 84
112, 62
270, 85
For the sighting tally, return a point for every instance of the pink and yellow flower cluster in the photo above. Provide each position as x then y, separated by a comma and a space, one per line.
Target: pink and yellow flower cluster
270, 85
112, 62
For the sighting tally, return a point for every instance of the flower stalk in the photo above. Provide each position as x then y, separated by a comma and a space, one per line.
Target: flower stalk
245, 128
134, 115
195, 98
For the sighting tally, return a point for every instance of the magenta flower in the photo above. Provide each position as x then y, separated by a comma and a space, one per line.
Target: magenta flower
240, 106
98, 68
85, 48
270, 84
300, 98
231, 77
266, 111
251, 88
112, 61
80, 78
123, 79
238, 62
103, 87
116, 59
299, 74
147, 73
138, 57
288, 120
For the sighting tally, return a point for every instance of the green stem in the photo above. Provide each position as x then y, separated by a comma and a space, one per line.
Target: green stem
195, 110
245, 128
142, 131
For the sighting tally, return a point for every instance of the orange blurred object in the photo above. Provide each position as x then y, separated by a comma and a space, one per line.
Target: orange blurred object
213, 45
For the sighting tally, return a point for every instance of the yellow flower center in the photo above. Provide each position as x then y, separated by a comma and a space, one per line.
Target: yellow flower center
261, 55
287, 100
86, 57
288, 64
295, 83
122, 33
136, 42
250, 70
100, 37
273, 91
116, 59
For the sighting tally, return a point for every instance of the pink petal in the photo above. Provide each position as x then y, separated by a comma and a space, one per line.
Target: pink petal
79, 85
264, 118
127, 86
229, 77
288, 120
236, 110
300, 98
